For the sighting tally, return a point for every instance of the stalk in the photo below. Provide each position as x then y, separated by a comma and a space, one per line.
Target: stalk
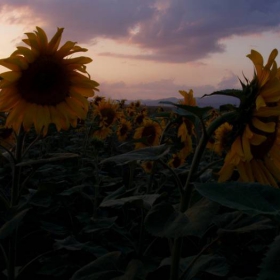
15, 191
185, 200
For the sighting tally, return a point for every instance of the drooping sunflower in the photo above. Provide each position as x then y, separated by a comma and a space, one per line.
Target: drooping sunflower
107, 114
254, 152
149, 133
44, 85
188, 98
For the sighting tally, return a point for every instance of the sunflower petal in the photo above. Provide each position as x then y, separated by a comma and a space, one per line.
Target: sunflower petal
265, 127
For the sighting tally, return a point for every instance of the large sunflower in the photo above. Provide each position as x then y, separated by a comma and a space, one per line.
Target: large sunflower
44, 86
255, 149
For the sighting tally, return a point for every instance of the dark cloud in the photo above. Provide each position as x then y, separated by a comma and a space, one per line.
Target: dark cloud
169, 30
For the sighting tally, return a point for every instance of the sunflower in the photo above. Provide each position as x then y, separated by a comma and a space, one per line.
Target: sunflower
255, 147
139, 119
185, 129
188, 98
107, 114
123, 130
221, 139
44, 86
147, 166
176, 161
149, 132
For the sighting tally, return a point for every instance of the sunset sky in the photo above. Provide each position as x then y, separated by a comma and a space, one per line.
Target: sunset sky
150, 49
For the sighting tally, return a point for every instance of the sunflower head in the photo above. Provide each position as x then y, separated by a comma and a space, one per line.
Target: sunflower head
176, 161
44, 85
123, 130
254, 144
148, 134
147, 166
188, 98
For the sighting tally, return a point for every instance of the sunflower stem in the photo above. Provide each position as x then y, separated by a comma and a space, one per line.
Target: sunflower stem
185, 199
14, 201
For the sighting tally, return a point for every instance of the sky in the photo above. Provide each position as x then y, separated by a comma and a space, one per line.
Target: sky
151, 49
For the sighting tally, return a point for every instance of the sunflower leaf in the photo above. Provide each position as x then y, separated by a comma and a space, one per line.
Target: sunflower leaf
270, 269
195, 110
164, 221
228, 92
250, 198
8, 228
102, 267
149, 153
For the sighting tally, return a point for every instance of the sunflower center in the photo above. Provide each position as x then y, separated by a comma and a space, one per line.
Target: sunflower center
149, 132
176, 162
123, 130
108, 114
44, 82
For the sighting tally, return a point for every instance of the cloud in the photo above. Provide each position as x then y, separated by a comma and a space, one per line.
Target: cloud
150, 90
169, 31
229, 81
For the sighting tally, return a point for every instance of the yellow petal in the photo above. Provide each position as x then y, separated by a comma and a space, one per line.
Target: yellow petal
257, 139
11, 76
65, 49
268, 112
246, 148
242, 172
260, 102
271, 58
267, 174
225, 172
270, 165
55, 41
266, 127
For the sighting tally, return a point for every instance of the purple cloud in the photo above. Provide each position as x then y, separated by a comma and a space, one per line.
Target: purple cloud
170, 30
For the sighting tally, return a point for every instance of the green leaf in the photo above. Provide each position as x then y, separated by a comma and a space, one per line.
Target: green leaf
99, 224
133, 271
164, 221
52, 158
251, 198
8, 228
195, 110
212, 264
98, 268
238, 222
149, 153
142, 200
76, 189
54, 228
228, 92
270, 268
200, 216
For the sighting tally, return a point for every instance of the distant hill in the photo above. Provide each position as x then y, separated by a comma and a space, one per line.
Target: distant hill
214, 101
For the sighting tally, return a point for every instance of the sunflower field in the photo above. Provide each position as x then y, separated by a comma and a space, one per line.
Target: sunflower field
95, 188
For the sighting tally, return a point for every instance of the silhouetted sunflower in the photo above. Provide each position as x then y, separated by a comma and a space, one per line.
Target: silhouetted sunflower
44, 86
255, 147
